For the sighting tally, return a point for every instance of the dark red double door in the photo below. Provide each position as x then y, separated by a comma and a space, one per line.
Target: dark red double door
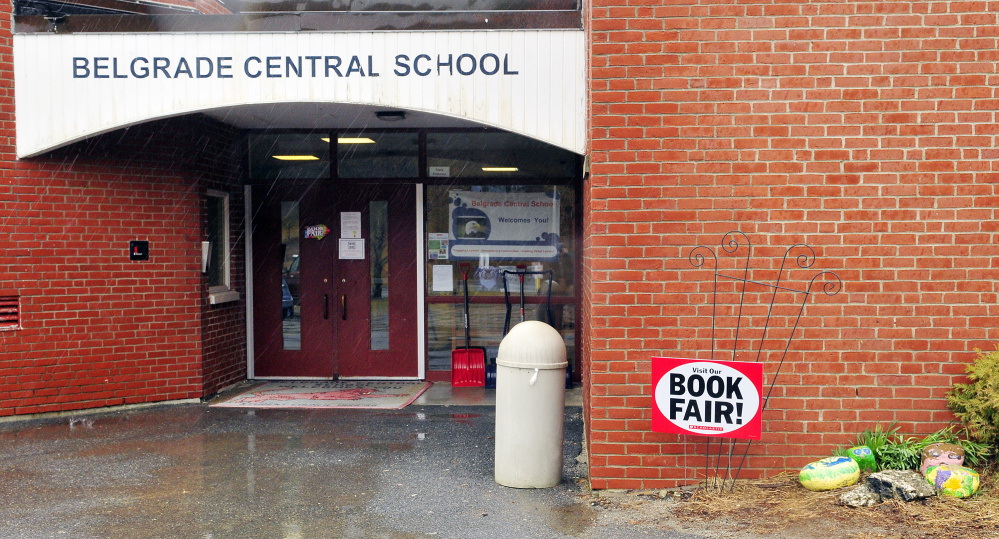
334, 281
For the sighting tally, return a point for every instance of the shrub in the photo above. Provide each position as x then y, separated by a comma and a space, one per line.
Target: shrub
876, 440
976, 404
902, 453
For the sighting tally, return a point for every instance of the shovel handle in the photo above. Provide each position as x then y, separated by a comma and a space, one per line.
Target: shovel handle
463, 266
522, 270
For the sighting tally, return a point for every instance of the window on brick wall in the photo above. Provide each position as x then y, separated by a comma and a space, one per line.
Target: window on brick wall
218, 271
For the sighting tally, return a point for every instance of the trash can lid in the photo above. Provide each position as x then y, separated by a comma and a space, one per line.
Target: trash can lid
532, 345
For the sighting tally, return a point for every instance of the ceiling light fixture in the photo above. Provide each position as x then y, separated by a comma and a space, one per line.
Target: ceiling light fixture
351, 140
391, 115
296, 157
500, 169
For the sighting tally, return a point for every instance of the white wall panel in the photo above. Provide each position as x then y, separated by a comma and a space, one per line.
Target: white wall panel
544, 100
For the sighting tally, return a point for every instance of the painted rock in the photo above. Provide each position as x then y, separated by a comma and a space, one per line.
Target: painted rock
829, 473
953, 480
863, 456
937, 454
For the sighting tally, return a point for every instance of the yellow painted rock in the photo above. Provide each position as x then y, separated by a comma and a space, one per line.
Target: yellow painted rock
829, 473
953, 480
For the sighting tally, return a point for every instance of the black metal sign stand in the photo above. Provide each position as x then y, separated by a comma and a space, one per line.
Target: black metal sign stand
831, 285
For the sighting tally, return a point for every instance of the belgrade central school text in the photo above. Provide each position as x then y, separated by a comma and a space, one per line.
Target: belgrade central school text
275, 67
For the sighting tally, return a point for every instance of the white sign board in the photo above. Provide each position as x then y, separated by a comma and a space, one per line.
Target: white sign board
439, 172
707, 398
71, 86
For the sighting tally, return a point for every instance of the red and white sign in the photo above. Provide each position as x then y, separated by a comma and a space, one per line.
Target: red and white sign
707, 398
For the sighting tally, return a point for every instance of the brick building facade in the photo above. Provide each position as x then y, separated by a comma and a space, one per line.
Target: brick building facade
866, 130
97, 329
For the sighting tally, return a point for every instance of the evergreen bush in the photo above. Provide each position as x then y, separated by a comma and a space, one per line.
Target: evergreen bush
976, 404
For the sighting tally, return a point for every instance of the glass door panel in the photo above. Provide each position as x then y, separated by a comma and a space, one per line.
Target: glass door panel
378, 234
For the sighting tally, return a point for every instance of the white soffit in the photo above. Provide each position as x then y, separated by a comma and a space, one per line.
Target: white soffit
69, 87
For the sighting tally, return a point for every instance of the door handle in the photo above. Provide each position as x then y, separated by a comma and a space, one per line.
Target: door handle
343, 306
326, 306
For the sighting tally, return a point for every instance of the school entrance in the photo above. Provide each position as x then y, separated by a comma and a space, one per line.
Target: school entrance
335, 280
363, 244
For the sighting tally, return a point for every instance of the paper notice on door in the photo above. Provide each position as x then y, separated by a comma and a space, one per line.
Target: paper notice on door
351, 249
350, 224
443, 278
437, 246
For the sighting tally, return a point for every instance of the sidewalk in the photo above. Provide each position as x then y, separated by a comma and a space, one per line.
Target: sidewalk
189, 470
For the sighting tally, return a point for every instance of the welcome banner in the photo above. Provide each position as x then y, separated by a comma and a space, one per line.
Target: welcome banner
522, 226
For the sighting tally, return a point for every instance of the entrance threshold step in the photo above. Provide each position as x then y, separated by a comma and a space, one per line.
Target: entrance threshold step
442, 394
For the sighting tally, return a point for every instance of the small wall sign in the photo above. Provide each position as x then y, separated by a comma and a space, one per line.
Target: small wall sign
316, 232
707, 398
439, 172
138, 250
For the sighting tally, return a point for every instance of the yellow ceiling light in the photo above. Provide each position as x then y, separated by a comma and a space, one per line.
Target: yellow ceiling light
351, 140
296, 157
500, 169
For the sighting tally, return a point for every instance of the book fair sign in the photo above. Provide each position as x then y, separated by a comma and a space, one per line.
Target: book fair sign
316, 232
707, 398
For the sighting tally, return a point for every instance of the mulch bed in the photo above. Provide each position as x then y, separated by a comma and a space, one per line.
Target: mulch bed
780, 504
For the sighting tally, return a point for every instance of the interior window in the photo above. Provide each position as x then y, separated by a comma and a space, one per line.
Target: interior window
505, 242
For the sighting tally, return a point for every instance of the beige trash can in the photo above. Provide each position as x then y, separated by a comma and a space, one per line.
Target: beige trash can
530, 406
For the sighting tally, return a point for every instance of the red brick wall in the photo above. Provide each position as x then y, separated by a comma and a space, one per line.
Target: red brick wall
209, 7
99, 329
865, 129
223, 326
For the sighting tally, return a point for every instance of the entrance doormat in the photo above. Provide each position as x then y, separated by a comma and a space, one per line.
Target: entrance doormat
355, 394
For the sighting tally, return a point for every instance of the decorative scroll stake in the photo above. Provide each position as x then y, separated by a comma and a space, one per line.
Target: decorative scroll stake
697, 260
731, 245
804, 260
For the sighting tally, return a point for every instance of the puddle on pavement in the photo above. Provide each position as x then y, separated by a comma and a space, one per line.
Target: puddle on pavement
221, 488
192, 472
464, 419
571, 519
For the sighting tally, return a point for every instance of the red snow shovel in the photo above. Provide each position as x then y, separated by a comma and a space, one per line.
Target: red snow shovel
468, 364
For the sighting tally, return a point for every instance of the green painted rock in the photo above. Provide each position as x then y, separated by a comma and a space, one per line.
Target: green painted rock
863, 456
829, 473
953, 480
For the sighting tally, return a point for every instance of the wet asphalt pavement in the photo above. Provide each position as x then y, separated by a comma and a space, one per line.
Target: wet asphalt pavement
193, 471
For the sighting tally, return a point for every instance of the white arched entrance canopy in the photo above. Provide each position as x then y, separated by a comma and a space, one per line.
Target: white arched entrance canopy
70, 87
